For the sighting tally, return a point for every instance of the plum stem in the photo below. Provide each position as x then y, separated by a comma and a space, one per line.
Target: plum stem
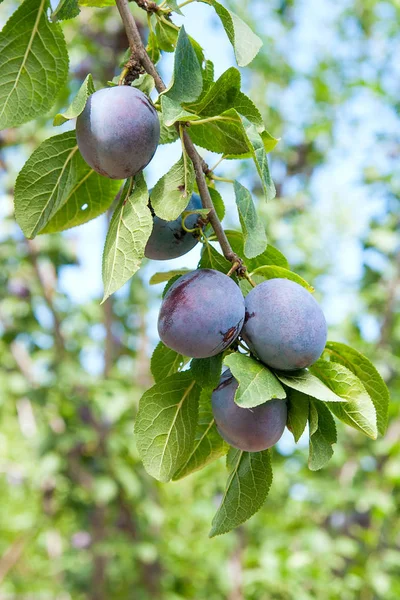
138, 49
223, 179
249, 279
233, 268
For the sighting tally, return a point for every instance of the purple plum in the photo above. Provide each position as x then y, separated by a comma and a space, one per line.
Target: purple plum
249, 429
284, 325
202, 314
118, 131
168, 238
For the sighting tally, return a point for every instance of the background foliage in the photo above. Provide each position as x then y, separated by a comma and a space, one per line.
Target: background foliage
80, 518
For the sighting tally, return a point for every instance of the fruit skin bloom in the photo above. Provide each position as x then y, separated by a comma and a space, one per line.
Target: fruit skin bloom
202, 314
249, 429
284, 325
118, 131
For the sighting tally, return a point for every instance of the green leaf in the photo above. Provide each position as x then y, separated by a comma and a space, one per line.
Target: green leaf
307, 383
173, 5
66, 9
173, 112
248, 109
172, 192
271, 256
207, 371
145, 83
359, 411
269, 141
129, 230
152, 48
246, 44
165, 362
166, 275
322, 435
167, 36
274, 272
208, 76
247, 487
257, 384
212, 259
97, 3
255, 239
187, 80
166, 423
34, 64
358, 364
298, 409
208, 444
78, 103
221, 96
56, 189
223, 134
260, 158
168, 134
218, 202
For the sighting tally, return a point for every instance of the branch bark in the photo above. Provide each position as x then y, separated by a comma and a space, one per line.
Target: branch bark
138, 49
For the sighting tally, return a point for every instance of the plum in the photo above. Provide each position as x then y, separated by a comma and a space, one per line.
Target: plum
249, 429
202, 314
118, 131
168, 238
284, 325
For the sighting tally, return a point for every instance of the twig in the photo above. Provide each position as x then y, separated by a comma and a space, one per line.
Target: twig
48, 297
137, 47
12, 555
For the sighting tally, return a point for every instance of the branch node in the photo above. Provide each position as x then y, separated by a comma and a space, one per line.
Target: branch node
149, 6
132, 70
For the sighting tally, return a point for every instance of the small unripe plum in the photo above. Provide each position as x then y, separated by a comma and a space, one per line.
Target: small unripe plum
201, 314
168, 238
118, 131
249, 429
284, 326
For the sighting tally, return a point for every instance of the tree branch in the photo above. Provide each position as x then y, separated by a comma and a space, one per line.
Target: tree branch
138, 49
47, 296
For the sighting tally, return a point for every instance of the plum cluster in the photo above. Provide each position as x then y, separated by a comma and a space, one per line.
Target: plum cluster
204, 312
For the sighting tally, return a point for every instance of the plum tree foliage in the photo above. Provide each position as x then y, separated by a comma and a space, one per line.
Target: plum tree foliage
280, 368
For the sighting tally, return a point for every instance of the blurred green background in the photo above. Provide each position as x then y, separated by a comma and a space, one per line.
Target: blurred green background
79, 518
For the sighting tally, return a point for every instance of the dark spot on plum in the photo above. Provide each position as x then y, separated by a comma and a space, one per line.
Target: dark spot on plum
228, 335
248, 316
179, 235
147, 104
175, 297
224, 384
